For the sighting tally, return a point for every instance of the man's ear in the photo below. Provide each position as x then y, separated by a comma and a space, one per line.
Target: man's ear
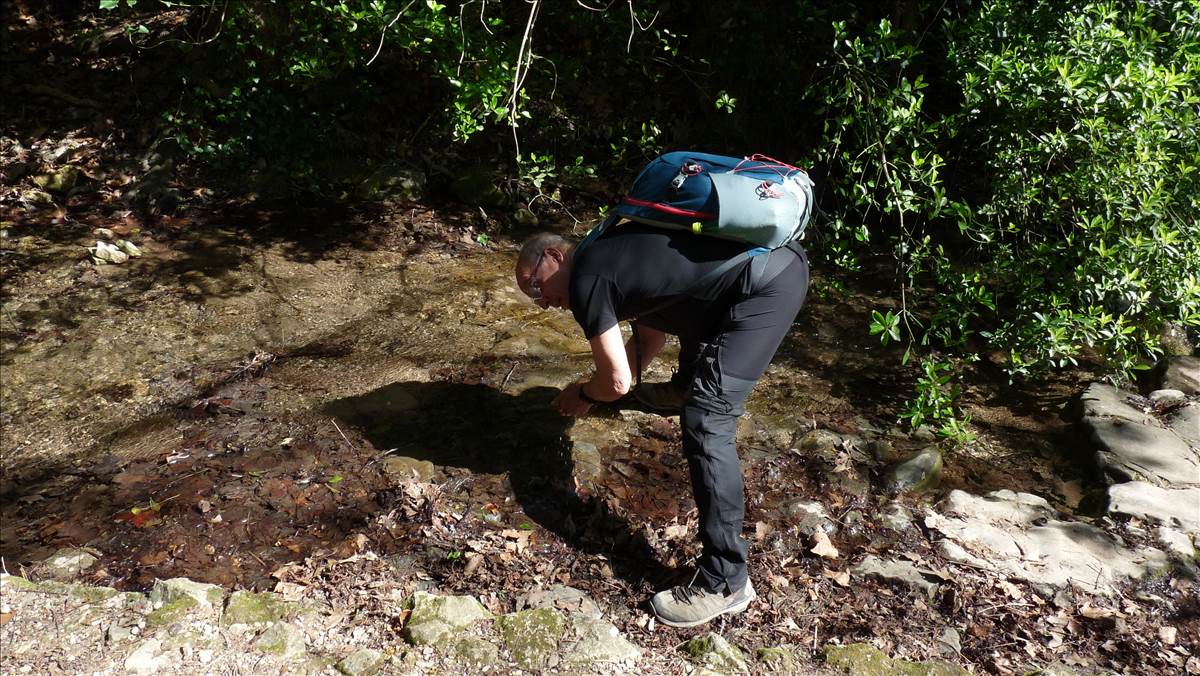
556, 254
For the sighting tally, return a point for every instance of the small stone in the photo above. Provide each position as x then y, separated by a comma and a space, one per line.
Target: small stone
104, 233
1167, 395
207, 595
283, 639
144, 659
924, 433
364, 662
898, 571
778, 659
896, 517
809, 516
205, 655
820, 442
116, 634
712, 651
401, 468
66, 564
129, 248
950, 643
921, 472
433, 618
599, 641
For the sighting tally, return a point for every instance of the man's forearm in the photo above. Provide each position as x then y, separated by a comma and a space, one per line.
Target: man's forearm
651, 342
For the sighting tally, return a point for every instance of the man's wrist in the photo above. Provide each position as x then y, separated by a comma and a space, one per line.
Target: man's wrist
584, 395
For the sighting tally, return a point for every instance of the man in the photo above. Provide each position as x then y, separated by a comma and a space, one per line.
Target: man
728, 333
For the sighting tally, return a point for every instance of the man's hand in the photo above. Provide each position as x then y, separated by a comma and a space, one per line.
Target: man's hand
569, 403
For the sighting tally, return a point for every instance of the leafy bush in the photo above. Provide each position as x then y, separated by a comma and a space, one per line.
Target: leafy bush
1049, 206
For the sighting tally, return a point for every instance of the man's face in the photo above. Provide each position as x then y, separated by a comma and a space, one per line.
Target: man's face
547, 281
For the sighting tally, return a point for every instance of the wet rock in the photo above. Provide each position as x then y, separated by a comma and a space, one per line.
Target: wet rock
1166, 396
712, 651
364, 662
587, 461
171, 612
477, 187
524, 217
1174, 341
532, 636
920, 579
1133, 446
392, 181
1172, 507
166, 591
896, 517
882, 450
104, 253
1183, 374
476, 653
560, 597
808, 516
434, 618
1017, 535
924, 433
921, 472
863, 659
599, 641
401, 468
821, 443
61, 180
283, 639
67, 564
129, 248
778, 659
245, 607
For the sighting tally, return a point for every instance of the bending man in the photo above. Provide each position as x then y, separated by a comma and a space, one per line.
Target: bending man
728, 332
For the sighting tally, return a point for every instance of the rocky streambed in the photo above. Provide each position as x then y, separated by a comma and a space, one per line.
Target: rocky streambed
348, 434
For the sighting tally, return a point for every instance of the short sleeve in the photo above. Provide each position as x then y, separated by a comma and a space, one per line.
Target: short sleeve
594, 302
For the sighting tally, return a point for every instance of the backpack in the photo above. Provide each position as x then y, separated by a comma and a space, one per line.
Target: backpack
757, 200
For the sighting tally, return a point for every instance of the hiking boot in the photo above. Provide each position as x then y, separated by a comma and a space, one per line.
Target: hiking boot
660, 397
690, 605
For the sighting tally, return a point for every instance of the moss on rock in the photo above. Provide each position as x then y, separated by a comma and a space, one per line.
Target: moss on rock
253, 608
714, 652
171, 612
435, 618
532, 636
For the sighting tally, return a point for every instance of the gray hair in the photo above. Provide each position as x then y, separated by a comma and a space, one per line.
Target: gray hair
536, 245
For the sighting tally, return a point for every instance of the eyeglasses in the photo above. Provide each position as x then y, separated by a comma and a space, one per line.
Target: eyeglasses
535, 286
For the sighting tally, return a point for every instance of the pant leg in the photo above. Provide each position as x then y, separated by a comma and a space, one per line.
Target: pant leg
725, 372
689, 352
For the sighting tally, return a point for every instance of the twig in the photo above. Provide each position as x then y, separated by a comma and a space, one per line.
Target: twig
510, 372
335, 426
385, 30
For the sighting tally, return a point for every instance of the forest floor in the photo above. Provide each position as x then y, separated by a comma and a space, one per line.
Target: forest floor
270, 387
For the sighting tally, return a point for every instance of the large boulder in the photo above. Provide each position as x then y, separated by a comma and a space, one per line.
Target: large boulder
1183, 374
1132, 445
1019, 535
532, 637
1173, 507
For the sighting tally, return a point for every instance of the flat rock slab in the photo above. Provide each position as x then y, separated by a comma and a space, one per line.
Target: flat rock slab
1133, 445
1177, 508
1018, 535
922, 579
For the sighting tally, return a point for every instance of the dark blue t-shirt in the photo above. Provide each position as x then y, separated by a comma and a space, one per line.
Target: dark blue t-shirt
632, 268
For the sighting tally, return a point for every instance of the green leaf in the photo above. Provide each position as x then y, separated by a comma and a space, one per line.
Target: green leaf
109, 4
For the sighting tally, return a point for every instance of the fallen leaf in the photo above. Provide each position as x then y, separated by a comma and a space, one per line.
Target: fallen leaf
204, 506
761, 531
1167, 635
1097, 613
841, 577
823, 547
4, 618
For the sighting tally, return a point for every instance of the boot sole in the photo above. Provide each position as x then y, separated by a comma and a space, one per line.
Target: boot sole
731, 610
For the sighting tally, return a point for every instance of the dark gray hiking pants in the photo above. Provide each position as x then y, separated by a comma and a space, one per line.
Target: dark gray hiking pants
722, 373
